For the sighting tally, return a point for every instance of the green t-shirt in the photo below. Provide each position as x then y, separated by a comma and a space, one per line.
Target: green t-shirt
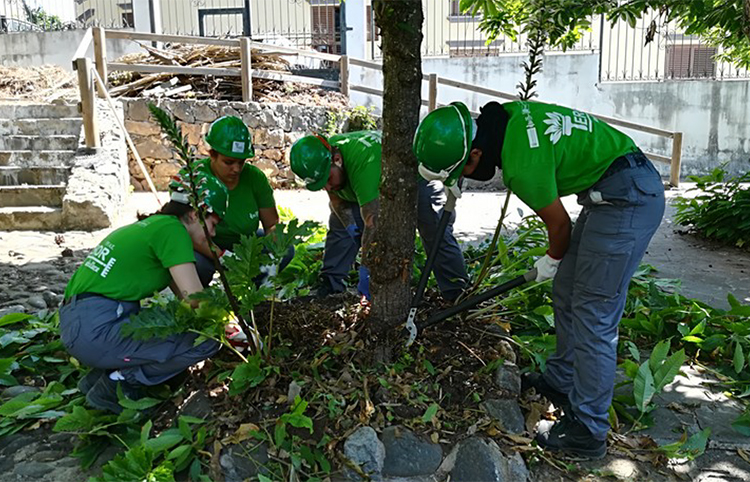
361, 152
551, 151
133, 262
253, 192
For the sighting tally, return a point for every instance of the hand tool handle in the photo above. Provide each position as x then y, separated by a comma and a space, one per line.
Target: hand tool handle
475, 300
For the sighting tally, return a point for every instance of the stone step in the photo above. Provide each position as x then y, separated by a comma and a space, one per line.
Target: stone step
39, 127
36, 143
30, 218
16, 176
36, 158
38, 111
39, 195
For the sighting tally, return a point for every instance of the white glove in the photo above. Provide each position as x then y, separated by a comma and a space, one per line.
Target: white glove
546, 268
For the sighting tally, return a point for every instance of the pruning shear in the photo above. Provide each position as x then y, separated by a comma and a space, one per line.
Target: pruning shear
467, 304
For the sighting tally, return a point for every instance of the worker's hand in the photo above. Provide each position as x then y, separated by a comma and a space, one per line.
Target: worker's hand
353, 231
364, 281
546, 268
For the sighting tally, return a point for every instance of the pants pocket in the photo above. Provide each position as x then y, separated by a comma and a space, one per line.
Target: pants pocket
70, 329
650, 202
601, 266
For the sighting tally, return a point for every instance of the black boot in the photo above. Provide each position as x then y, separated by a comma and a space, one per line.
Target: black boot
103, 394
88, 381
571, 436
537, 382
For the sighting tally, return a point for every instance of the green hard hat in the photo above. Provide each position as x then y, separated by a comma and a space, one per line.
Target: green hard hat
230, 136
443, 141
310, 158
213, 196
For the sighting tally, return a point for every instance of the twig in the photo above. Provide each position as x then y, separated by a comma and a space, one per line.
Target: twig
472, 353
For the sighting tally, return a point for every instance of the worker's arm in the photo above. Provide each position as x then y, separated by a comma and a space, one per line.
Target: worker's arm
185, 281
341, 210
269, 217
370, 216
558, 226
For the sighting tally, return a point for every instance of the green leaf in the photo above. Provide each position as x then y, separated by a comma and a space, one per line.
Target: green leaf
739, 357
165, 441
666, 373
430, 412
179, 452
742, 424
658, 355
634, 352
263, 478
692, 339
146, 431
11, 318
184, 428
428, 366
643, 388
698, 329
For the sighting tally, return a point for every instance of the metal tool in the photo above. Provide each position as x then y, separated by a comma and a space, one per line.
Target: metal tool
470, 303
448, 208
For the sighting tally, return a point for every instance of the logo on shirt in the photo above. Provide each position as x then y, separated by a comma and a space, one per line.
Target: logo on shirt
99, 261
560, 124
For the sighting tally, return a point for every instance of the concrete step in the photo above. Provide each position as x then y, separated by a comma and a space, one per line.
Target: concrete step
36, 158
39, 127
16, 176
38, 111
37, 143
30, 218
39, 195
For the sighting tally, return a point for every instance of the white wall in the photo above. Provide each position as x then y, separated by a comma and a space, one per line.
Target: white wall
53, 48
713, 115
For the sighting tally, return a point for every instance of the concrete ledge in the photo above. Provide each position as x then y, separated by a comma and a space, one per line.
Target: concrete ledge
37, 218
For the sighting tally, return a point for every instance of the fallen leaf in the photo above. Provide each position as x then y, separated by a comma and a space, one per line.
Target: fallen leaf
241, 434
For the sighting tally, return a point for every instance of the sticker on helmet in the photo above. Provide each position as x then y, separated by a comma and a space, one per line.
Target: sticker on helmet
238, 147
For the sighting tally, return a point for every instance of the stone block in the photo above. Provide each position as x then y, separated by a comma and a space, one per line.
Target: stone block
202, 112
153, 149
367, 451
508, 379
193, 133
476, 458
273, 154
163, 173
508, 413
229, 110
137, 110
136, 128
269, 138
243, 461
267, 166
407, 455
182, 110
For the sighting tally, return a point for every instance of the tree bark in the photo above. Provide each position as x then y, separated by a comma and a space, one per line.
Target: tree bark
392, 253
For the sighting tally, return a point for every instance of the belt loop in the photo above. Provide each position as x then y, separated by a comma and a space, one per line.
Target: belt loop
73, 300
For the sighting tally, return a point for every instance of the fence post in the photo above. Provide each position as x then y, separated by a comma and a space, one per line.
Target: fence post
100, 55
344, 74
88, 105
432, 93
676, 164
247, 70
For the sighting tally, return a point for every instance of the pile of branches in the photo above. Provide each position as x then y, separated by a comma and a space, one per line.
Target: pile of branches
35, 82
132, 84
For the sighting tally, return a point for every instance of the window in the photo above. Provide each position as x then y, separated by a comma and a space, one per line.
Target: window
690, 62
326, 28
127, 19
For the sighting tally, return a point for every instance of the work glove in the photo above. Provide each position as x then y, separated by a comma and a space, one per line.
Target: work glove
237, 337
364, 281
353, 231
546, 268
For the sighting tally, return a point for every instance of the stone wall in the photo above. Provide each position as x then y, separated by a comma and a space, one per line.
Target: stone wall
274, 127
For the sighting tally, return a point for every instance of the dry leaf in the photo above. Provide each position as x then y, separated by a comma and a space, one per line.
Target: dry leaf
241, 434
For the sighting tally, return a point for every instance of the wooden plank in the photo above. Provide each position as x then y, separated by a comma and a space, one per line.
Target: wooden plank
182, 39
246, 70
658, 158
432, 93
88, 106
273, 75
366, 64
100, 55
477, 88
83, 47
344, 74
365, 89
632, 125
676, 164
174, 69
291, 50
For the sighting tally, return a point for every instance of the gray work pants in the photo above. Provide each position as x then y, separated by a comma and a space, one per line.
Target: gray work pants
449, 268
589, 291
90, 331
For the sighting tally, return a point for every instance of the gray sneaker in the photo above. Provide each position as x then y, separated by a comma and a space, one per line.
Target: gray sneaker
570, 436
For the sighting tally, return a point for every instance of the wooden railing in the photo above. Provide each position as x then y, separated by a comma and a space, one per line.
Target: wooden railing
98, 35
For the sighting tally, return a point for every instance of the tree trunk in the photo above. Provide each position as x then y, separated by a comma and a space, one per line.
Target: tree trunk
392, 252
